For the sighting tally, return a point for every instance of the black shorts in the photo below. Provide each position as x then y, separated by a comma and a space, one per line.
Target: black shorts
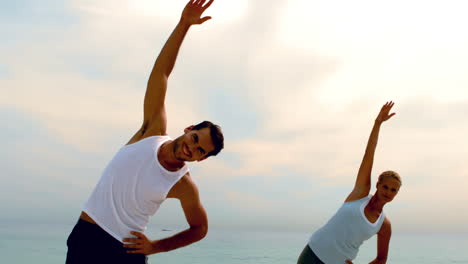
90, 244
308, 257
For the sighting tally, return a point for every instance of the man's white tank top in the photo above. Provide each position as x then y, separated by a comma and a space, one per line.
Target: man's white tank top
131, 188
340, 238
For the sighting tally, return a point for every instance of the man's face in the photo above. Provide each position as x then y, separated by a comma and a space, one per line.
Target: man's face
194, 145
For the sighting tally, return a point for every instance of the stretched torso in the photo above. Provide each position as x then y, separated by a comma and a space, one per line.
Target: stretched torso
340, 238
131, 188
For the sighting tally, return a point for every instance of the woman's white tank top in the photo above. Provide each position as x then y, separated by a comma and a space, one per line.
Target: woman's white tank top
131, 188
340, 238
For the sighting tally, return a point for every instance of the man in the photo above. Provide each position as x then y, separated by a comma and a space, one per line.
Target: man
146, 171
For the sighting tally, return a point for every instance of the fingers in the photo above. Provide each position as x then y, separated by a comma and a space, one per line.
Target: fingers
138, 234
135, 248
390, 116
384, 112
208, 4
201, 3
132, 246
140, 238
132, 240
137, 245
139, 251
204, 19
389, 104
387, 107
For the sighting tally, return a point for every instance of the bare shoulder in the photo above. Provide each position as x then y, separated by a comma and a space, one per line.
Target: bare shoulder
386, 228
184, 189
356, 194
147, 131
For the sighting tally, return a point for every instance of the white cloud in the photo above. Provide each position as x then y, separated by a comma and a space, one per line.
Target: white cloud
397, 48
315, 77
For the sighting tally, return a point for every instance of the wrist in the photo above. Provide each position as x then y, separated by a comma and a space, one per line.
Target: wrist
156, 247
380, 260
184, 23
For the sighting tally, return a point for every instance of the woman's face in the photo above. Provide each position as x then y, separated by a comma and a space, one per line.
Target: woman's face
388, 188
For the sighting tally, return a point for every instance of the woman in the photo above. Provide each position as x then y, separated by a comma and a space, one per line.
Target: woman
361, 216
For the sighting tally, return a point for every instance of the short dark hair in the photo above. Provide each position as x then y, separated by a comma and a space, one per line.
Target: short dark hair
216, 136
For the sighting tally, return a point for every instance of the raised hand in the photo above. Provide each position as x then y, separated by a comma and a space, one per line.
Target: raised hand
193, 11
140, 245
384, 112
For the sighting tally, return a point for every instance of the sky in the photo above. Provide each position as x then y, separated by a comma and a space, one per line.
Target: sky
295, 85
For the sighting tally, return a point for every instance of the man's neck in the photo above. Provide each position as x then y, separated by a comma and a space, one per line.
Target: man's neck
167, 157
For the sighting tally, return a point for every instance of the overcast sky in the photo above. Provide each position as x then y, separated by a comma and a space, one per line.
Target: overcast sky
295, 85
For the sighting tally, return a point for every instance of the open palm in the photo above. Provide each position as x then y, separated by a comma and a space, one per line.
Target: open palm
384, 112
193, 11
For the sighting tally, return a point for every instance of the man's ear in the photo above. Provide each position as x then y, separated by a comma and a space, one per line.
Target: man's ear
187, 129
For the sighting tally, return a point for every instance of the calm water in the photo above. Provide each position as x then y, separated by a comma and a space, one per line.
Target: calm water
41, 244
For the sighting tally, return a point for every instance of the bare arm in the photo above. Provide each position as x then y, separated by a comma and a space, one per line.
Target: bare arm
383, 243
154, 119
186, 191
363, 179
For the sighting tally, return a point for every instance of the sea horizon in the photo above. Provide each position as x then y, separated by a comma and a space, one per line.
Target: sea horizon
46, 243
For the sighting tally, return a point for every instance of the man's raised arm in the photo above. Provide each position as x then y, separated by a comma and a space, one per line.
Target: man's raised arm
154, 110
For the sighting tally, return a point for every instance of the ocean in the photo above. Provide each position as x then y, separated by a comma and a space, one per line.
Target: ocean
45, 244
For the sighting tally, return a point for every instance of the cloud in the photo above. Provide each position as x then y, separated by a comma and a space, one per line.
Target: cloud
421, 143
296, 96
413, 55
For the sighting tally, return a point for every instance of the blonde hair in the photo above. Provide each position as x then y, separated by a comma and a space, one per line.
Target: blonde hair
390, 174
